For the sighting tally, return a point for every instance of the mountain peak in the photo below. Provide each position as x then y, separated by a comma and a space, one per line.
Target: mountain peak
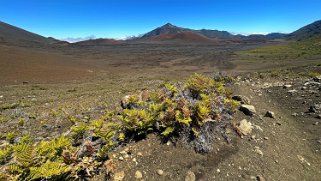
168, 25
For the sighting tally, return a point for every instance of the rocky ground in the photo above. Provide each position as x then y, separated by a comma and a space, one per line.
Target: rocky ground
280, 141
274, 136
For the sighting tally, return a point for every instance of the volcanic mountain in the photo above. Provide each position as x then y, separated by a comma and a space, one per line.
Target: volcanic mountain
170, 32
312, 30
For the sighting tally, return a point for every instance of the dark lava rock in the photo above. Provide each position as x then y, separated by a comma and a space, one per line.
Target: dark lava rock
242, 99
270, 114
312, 109
248, 109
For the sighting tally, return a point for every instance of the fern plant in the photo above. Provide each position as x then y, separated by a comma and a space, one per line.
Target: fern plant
5, 154
49, 170
24, 154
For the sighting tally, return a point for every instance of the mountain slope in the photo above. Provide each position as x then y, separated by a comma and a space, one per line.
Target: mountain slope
214, 34
13, 35
169, 31
312, 30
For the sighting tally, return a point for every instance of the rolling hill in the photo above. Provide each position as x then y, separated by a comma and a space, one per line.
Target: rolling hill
16, 36
312, 30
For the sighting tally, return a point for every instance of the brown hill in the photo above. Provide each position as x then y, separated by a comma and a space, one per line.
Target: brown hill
16, 36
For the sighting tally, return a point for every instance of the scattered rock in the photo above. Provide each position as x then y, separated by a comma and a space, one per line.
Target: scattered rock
248, 109
138, 174
312, 109
287, 86
253, 137
258, 151
119, 176
292, 91
318, 116
140, 154
258, 128
260, 178
316, 123
317, 78
190, 176
160, 172
242, 99
270, 114
121, 158
244, 127
295, 114
303, 160
266, 138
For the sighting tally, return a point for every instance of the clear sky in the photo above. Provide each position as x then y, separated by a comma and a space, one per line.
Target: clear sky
122, 18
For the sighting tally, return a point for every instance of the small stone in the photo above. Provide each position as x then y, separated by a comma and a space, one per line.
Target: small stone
218, 170
244, 127
292, 91
242, 99
270, 114
260, 178
258, 151
160, 172
253, 137
248, 109
121, 158
119, 176
295, 114
140, 154
266, 138
303, 160
190, 176
312, 109
138, 174
318, 116
287, 86
316, 123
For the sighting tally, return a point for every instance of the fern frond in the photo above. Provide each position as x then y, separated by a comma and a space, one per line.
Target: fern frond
24, 154
49, 170
5, 154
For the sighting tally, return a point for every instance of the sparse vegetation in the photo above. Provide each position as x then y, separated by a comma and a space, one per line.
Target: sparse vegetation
180, 110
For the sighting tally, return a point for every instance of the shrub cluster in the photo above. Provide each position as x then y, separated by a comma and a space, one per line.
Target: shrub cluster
189, 111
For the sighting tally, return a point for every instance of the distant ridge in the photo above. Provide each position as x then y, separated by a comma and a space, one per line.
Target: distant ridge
312, 30
169, 30
13, 35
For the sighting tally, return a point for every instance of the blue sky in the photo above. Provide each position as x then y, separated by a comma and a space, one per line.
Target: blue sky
122, 18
